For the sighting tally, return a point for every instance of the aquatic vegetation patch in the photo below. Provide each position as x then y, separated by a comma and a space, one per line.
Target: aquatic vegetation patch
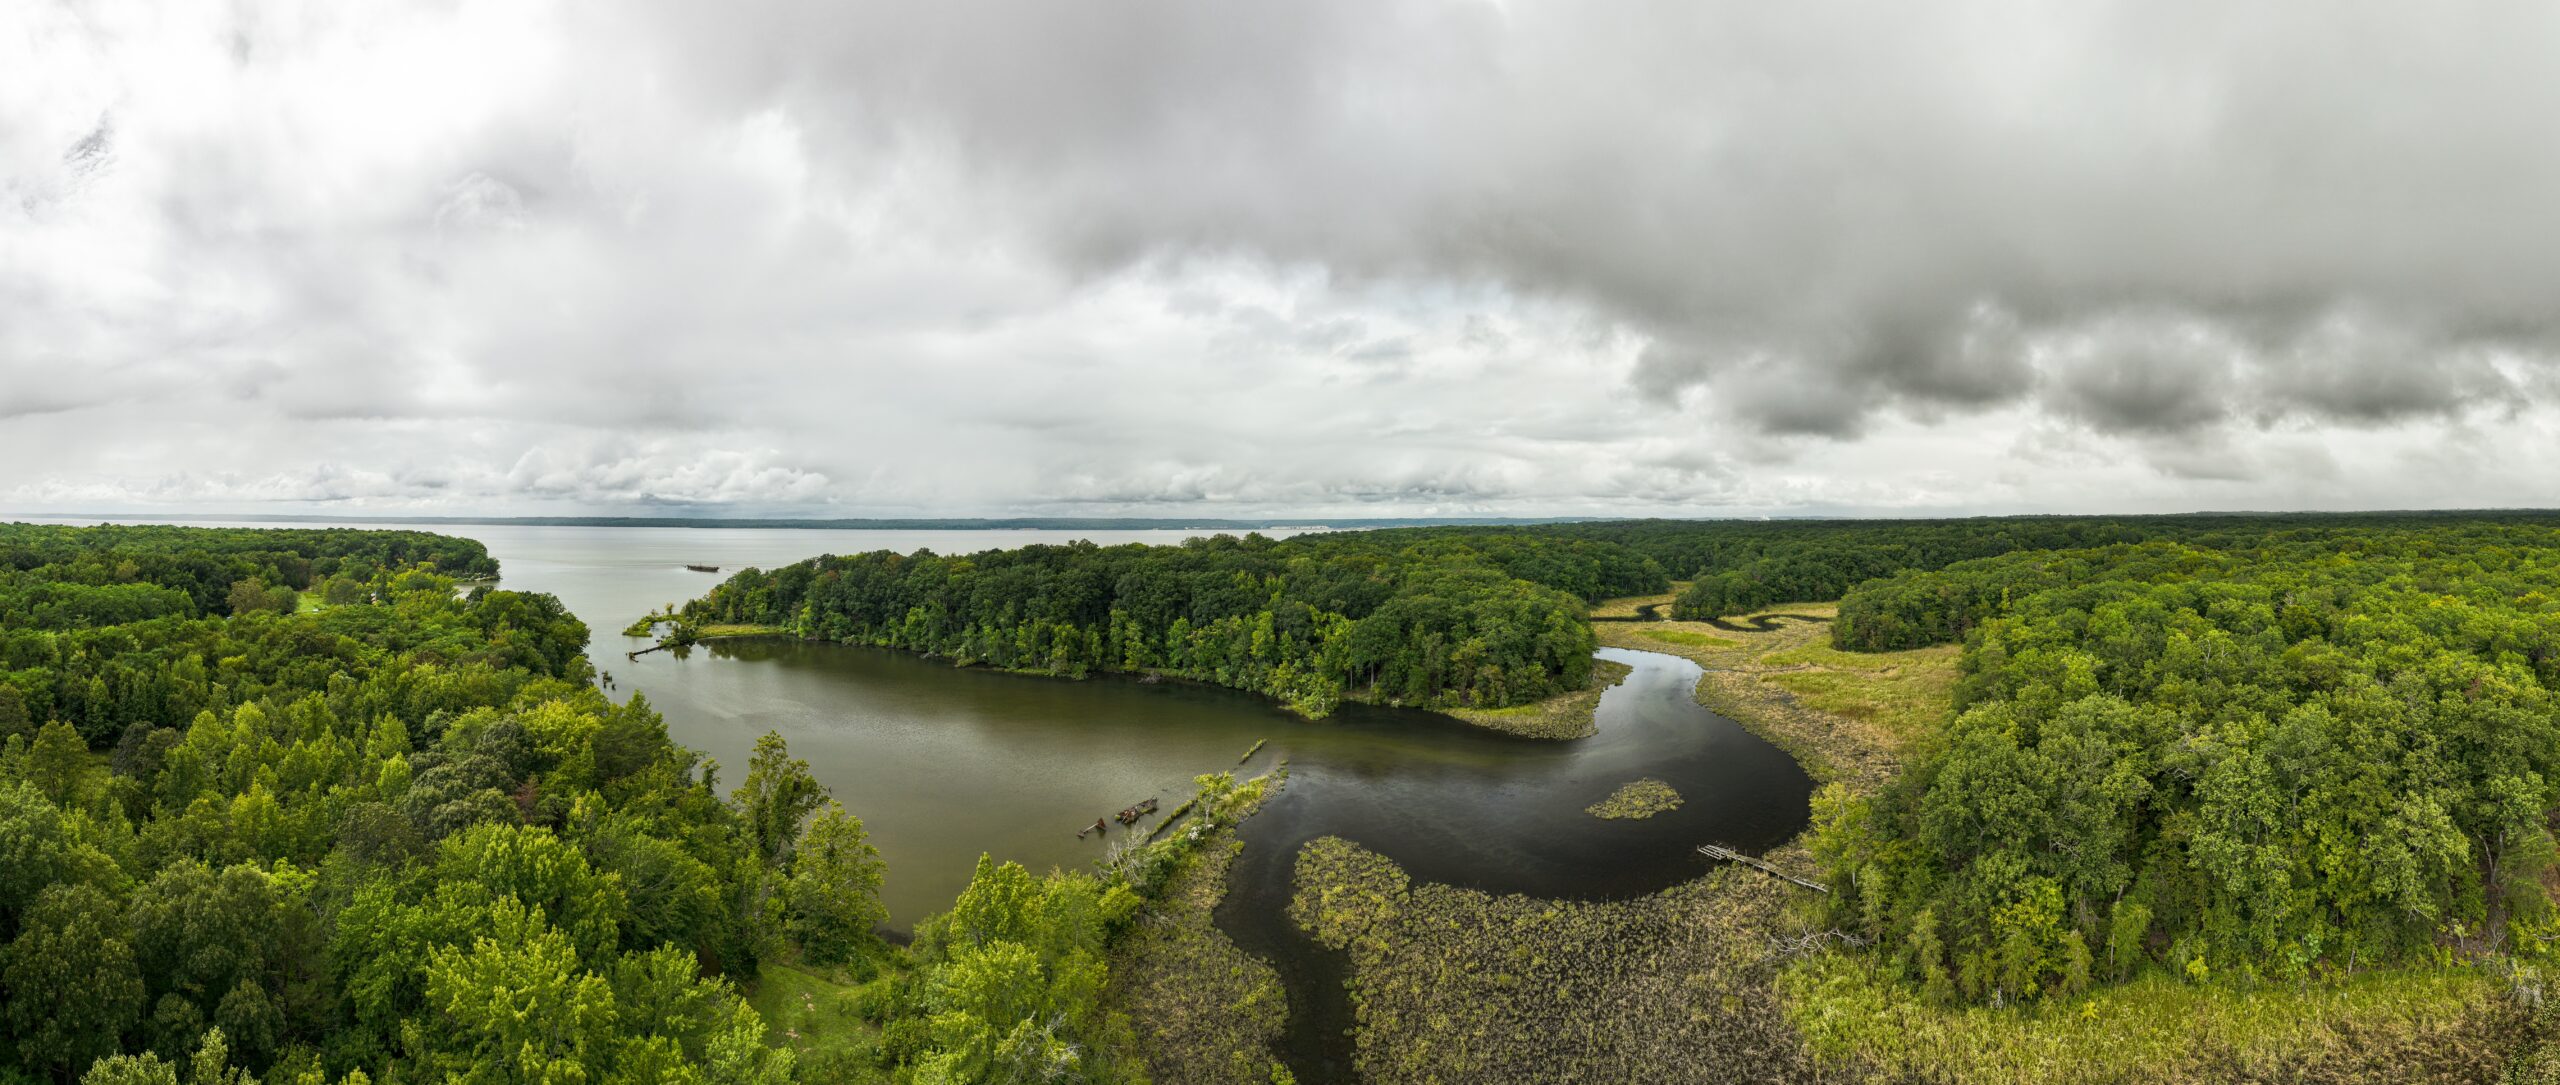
1565, 715
1452, 985
1636, 799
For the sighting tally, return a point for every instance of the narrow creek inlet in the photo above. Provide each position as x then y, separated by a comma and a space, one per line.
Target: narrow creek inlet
1513, 826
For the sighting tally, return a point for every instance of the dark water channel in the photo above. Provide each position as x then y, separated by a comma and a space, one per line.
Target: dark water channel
1512, 822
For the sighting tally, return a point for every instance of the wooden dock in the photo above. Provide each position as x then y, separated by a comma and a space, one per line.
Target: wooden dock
1717, 851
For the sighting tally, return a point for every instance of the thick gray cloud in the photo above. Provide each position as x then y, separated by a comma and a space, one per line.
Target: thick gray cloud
1525, 256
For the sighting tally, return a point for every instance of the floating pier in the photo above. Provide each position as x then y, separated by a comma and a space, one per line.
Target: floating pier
1718, 851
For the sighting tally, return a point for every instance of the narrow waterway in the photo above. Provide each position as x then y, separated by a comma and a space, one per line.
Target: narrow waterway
1516, 825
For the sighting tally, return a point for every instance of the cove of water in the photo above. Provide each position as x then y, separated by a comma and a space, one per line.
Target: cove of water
943, 763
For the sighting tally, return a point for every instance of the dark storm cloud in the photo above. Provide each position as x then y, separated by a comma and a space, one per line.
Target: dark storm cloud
1810, 206
1464, 255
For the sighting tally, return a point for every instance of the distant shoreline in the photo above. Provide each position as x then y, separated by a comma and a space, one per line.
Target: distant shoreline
958, 523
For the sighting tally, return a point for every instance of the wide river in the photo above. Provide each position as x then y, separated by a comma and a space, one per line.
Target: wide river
943, 763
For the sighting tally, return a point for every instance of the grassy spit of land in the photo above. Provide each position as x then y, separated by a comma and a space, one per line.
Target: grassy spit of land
1732, 978
1203, 1010
1566, 715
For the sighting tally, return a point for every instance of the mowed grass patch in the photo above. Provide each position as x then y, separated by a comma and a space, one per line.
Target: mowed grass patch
1565, 715
2417, 1025
811, 1014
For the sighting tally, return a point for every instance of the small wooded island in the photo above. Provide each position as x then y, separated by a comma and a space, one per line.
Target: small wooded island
2197, 798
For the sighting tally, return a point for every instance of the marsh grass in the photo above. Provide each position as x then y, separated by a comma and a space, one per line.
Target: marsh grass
1202, 1009
2416, 1025
1907, 694
1452, 985
1628, 607
1686, 638
1844, 716
735, 630
1636, 799
1566, 715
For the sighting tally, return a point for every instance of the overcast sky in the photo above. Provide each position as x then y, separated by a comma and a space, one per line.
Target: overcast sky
1346, 257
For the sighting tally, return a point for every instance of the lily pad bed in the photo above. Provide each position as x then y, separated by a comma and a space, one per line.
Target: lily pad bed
1637, 799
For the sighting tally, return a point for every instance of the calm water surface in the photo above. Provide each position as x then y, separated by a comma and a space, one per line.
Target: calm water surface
943, 763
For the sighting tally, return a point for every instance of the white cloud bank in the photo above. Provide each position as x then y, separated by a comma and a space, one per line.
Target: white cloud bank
1334, 257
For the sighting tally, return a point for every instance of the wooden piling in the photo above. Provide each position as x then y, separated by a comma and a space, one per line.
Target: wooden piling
1717, 851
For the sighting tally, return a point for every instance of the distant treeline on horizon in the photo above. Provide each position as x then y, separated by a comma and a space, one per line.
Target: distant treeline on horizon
1146, 523
1015, 523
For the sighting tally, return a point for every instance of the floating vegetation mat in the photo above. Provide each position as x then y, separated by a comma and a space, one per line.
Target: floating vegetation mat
1457, 986
1638, 799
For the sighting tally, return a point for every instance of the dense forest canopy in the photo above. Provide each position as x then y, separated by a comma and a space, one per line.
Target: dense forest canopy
2329, 748
303, 814
1477, 616
1739, 566
348, 826
1424, 617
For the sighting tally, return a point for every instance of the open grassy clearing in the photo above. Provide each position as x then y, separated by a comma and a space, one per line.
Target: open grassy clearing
1567, 715
811, 1013
1636, 799
737, 630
